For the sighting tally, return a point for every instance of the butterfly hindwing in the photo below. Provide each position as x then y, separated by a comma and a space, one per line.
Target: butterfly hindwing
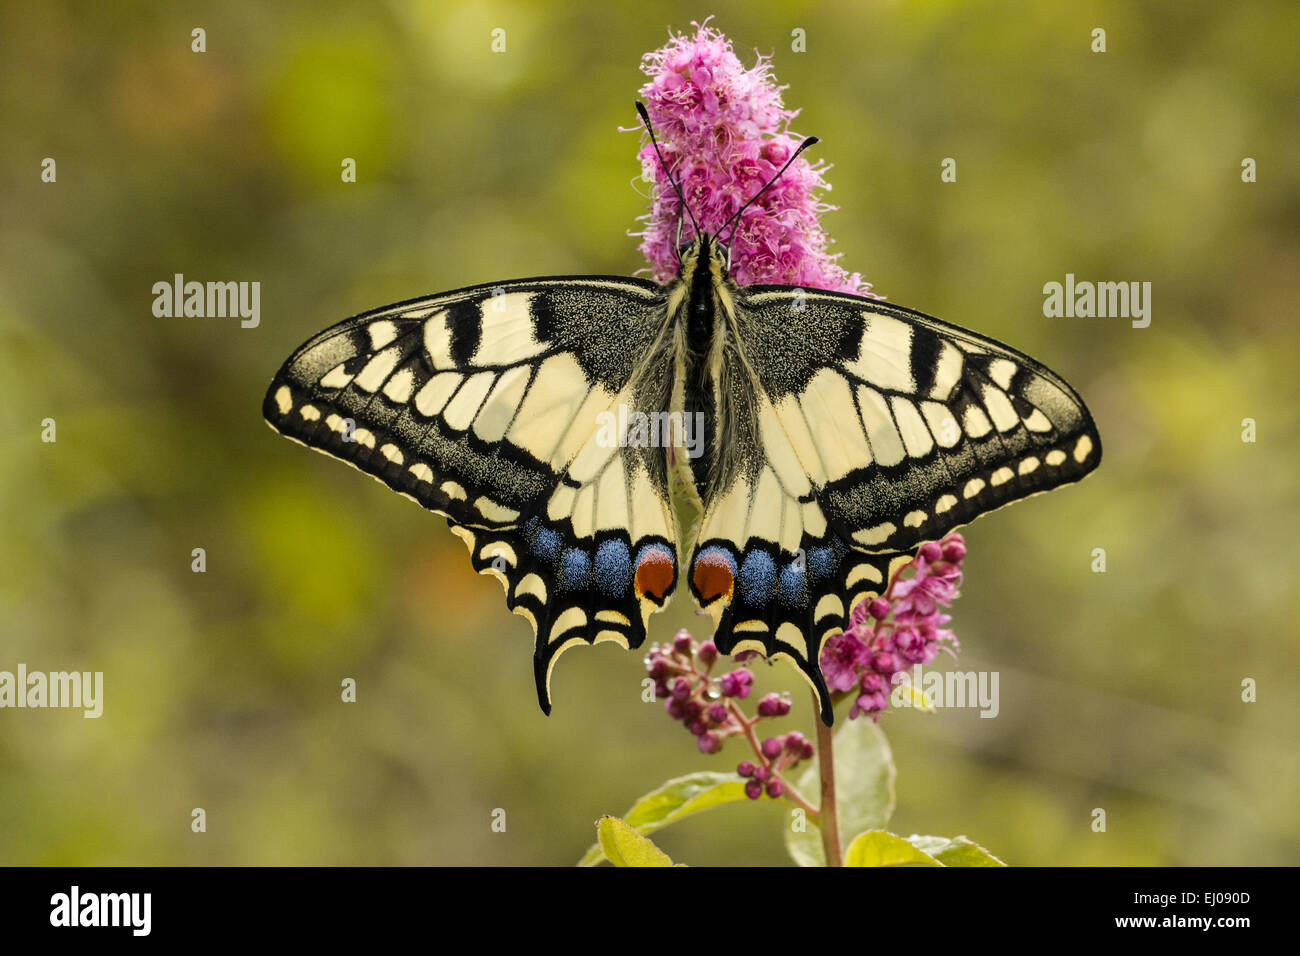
770, 569
879, 428
783, 603
491, 406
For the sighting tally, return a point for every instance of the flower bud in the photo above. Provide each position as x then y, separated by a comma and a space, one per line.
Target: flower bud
736, 683
776, 152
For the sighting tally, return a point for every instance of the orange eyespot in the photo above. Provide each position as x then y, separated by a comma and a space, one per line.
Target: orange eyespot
654, 573
713, 576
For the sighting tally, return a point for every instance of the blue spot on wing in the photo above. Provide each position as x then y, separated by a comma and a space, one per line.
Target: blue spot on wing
756, 577
575, 570
545, 542
792, 586
821, 564
613, 569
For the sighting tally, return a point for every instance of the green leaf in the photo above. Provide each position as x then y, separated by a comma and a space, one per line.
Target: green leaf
623, 846
878, 848
955, 851
912, 696
864, 784
676, 799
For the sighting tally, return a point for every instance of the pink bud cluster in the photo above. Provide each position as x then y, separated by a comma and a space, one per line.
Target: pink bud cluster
708, 706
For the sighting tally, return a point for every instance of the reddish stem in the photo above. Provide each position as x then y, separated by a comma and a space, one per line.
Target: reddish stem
829, 824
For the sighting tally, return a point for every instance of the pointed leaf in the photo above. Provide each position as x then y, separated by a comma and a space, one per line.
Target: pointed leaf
955, 851
623, 846
878, 848
675, 799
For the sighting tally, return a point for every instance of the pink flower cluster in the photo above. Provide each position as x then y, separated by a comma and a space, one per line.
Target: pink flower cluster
683, 676
725, 132
709, 708
903, 628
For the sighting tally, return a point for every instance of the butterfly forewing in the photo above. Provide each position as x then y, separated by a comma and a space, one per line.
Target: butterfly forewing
491, 406
878, 428
933, 424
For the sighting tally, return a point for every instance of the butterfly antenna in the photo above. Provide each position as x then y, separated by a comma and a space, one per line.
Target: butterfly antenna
645, 118
810, 141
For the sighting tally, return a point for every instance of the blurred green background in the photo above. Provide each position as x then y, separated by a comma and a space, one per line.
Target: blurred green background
1119, 690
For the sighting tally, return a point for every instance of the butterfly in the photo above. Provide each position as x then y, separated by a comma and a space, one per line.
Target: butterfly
589, 437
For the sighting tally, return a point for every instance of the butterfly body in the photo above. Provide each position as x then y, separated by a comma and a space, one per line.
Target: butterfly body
838, 433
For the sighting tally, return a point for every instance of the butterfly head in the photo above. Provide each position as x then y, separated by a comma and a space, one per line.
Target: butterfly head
705, 253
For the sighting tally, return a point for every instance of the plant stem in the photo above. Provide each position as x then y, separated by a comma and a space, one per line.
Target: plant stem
749, 729
799, 800
830, 821
791, 794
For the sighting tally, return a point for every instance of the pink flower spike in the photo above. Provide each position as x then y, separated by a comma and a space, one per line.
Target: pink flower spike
725, 132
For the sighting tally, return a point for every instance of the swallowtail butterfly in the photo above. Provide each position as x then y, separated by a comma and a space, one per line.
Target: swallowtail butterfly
839, 433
